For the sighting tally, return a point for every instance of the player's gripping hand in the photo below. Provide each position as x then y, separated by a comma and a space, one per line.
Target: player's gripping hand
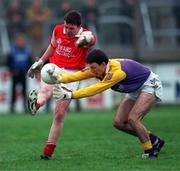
61, 93
84, 39
54, 76
35, 69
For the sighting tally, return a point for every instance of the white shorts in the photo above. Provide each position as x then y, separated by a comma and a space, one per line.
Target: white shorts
153, 85
71, 86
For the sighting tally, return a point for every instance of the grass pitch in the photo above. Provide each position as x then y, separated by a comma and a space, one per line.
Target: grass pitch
88, 142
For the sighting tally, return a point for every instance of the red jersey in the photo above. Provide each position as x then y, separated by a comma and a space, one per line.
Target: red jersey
66, 53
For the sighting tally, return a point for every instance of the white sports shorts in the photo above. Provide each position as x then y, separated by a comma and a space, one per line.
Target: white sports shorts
71, 86
153, 85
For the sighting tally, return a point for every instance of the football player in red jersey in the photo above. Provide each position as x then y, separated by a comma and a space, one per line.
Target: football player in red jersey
69, 45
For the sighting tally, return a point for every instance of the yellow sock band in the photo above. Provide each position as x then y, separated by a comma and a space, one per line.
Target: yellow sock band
147, 145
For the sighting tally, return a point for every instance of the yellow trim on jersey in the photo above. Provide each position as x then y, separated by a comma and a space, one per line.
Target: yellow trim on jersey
112, 76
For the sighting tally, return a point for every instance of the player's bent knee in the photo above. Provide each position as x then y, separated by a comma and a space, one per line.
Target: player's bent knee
132, 121
118, 125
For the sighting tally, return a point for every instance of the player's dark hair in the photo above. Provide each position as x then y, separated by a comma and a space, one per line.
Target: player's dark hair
73, 17
97, 56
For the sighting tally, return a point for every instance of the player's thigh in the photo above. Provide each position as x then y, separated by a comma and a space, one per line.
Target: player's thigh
61, 108
123, 110
143, 104
45, 89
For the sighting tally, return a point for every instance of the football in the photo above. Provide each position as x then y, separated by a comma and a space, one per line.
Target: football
45, 75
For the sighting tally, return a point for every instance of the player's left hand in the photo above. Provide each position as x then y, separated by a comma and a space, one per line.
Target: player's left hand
61, 93
84, 39
34, 70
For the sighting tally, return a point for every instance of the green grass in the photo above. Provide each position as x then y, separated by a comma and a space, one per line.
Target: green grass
88, 142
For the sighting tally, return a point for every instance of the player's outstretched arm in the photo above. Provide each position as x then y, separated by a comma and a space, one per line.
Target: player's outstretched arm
35, 69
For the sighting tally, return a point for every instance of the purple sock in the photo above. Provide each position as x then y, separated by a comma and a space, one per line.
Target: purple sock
153, 138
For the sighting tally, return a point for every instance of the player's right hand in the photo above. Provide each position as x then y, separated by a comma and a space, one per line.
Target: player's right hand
35, 69
84, 39
54, 76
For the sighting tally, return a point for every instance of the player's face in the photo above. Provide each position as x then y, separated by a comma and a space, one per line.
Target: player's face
98, 70
71, 30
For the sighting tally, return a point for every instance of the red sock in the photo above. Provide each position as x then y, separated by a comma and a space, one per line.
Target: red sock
38, 105
49, 149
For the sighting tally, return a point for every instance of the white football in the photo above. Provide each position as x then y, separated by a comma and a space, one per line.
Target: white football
45, 75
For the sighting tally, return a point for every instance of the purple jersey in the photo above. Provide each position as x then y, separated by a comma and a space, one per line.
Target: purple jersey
136, 75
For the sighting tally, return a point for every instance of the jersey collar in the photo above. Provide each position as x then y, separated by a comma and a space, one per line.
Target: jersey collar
107, 67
